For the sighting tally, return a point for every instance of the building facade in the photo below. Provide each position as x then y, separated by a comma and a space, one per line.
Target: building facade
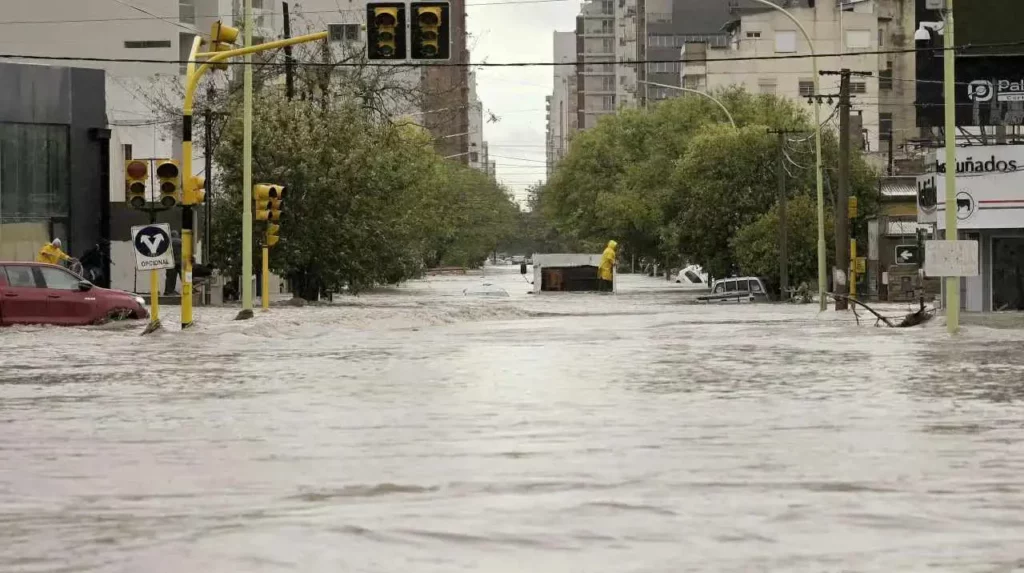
562, 115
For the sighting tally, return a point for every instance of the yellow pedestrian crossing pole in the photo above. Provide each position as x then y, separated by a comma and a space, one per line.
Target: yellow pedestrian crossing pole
216, 57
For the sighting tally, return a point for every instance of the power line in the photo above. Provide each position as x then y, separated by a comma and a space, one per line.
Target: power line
449, 64
175, 19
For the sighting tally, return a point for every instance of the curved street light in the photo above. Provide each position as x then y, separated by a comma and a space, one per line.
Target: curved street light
822, 276
698, 92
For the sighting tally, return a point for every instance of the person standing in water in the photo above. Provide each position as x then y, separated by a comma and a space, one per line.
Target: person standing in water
606, 272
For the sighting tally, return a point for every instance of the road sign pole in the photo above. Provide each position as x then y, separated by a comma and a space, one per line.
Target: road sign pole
154, 299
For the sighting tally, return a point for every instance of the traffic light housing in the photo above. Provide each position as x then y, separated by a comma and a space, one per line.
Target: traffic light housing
268, 198
195, 193
272, 234
136, 176
169, 177
431, 35
222, 37
385, 31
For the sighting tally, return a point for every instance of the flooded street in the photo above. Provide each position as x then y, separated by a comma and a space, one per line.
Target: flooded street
420, 430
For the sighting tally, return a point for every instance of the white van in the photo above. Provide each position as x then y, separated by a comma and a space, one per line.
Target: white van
738, 290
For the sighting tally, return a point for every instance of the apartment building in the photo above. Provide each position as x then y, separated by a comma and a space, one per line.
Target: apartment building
562, 115
638, 31
883, 103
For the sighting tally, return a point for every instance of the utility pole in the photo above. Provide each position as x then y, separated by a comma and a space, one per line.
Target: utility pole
780, 169
843, 266
246, 311
289, 62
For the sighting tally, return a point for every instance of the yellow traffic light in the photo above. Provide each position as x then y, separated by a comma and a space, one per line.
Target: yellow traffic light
430, 31
221, 38
385, 31
170, 182
272, 234
268, 198
195, 192
136, 175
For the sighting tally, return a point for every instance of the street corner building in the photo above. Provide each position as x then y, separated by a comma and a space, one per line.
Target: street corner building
990, 210
54, 159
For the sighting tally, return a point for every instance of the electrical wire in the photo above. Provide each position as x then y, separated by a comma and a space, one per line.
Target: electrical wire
175, 18
450, 64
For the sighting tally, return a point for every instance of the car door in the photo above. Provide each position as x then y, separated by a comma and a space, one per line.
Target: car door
24, 297
66, 302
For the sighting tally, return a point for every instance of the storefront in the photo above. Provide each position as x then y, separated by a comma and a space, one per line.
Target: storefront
989, 210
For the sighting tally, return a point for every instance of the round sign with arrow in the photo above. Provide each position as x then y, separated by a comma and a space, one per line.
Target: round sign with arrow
153, 247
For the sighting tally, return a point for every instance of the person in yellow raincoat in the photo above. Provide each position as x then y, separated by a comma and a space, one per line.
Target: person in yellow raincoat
51, 253
607, 270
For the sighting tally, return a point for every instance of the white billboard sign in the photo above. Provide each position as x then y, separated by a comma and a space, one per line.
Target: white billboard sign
951, 258
989, 188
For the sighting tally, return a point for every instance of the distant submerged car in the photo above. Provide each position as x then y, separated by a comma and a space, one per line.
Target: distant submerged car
693, 275
38, 293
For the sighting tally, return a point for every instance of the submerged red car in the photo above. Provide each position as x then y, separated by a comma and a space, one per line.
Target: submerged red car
38, 293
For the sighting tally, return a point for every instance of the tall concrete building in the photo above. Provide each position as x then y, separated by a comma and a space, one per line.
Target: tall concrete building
562, 116
883, 102
637, 31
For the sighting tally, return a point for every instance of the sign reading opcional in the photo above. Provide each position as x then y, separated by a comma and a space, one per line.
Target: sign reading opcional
153, 247
951, 258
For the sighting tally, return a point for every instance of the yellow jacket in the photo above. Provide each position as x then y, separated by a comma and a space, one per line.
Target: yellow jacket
51, 254
608, 261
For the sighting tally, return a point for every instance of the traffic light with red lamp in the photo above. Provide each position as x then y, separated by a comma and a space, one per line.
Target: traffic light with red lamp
430, 34
136, 177
385, 31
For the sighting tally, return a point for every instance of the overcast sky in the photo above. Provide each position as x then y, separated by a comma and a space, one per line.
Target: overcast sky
516, 32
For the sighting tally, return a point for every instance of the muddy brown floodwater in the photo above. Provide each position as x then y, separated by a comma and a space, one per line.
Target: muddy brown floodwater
420, 430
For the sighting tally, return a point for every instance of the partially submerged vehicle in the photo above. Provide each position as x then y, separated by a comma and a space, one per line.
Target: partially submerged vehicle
693, 276
567, 273
737, 290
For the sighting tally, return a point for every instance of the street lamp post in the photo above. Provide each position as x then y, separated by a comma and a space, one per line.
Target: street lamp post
698, 92
822, 276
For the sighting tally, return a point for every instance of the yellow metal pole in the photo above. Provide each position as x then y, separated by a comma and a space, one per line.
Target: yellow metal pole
266, 277
154, 298
193, 75
853, 268
949, 58
188, 194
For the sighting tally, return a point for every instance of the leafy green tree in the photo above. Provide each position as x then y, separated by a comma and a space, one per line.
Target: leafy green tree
368, 202
676, 182
755, 247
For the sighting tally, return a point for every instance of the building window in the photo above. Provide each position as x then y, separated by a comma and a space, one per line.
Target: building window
608, 84
34, 172
881, 37
753, 34
145, 44
785, 41
607, 7
607, 27
606, 45
608, 103
187, 11
126, 149
884, 126
858, 87
806, 88
885, 78
344, 32
767, 87
858, 39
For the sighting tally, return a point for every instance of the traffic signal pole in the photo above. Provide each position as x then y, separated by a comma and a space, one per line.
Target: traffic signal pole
246, 311
265, 278
194, 73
